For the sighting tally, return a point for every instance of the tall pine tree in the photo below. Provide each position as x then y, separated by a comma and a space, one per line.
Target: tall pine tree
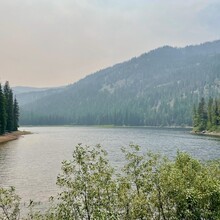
15, 115
9, 107
207, 117
210, 114
2, 112
202, 113
216, 114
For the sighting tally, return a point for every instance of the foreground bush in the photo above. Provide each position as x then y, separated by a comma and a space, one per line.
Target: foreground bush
148, 187
9, 204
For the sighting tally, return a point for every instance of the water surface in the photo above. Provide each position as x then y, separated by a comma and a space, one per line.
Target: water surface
32, 162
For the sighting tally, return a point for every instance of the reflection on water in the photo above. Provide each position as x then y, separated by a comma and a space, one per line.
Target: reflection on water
32, 162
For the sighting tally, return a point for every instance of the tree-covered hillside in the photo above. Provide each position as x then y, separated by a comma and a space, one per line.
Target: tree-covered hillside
158, 88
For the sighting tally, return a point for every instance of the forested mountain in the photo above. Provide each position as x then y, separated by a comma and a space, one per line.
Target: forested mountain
157, 88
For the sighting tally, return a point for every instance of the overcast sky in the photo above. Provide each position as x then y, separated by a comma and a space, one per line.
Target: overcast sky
57, 42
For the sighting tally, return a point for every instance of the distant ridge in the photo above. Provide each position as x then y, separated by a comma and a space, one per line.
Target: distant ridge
26, 89
157, 88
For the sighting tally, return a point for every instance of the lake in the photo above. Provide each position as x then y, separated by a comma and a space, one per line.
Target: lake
32, 162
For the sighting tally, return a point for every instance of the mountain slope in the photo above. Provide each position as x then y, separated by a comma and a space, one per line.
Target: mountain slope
157, 88
28, 95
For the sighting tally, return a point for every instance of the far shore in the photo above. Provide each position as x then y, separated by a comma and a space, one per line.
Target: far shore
110, 126
207, 133
12, 136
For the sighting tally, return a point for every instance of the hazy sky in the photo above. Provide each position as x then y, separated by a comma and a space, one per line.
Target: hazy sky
57, 42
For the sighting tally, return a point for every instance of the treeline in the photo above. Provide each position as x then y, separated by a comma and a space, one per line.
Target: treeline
9, 110
206, 116
127, 113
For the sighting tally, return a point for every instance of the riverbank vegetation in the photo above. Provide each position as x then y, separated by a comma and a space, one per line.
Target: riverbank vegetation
9, 110
147, 187
206, 116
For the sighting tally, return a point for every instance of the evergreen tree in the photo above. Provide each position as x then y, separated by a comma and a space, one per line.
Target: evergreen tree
9, 107
2, 112
9, 110
6, 95
10, 120
210, 114
202, 114
15, 115
207, 117
195, 118
216, 114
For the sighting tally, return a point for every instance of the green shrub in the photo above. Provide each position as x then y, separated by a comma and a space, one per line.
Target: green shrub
147, 187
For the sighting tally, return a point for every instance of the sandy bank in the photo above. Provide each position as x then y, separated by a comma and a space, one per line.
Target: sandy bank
12, 136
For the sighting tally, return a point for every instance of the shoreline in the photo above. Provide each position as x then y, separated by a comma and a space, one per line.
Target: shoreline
111, 126
211, 134
12, 136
